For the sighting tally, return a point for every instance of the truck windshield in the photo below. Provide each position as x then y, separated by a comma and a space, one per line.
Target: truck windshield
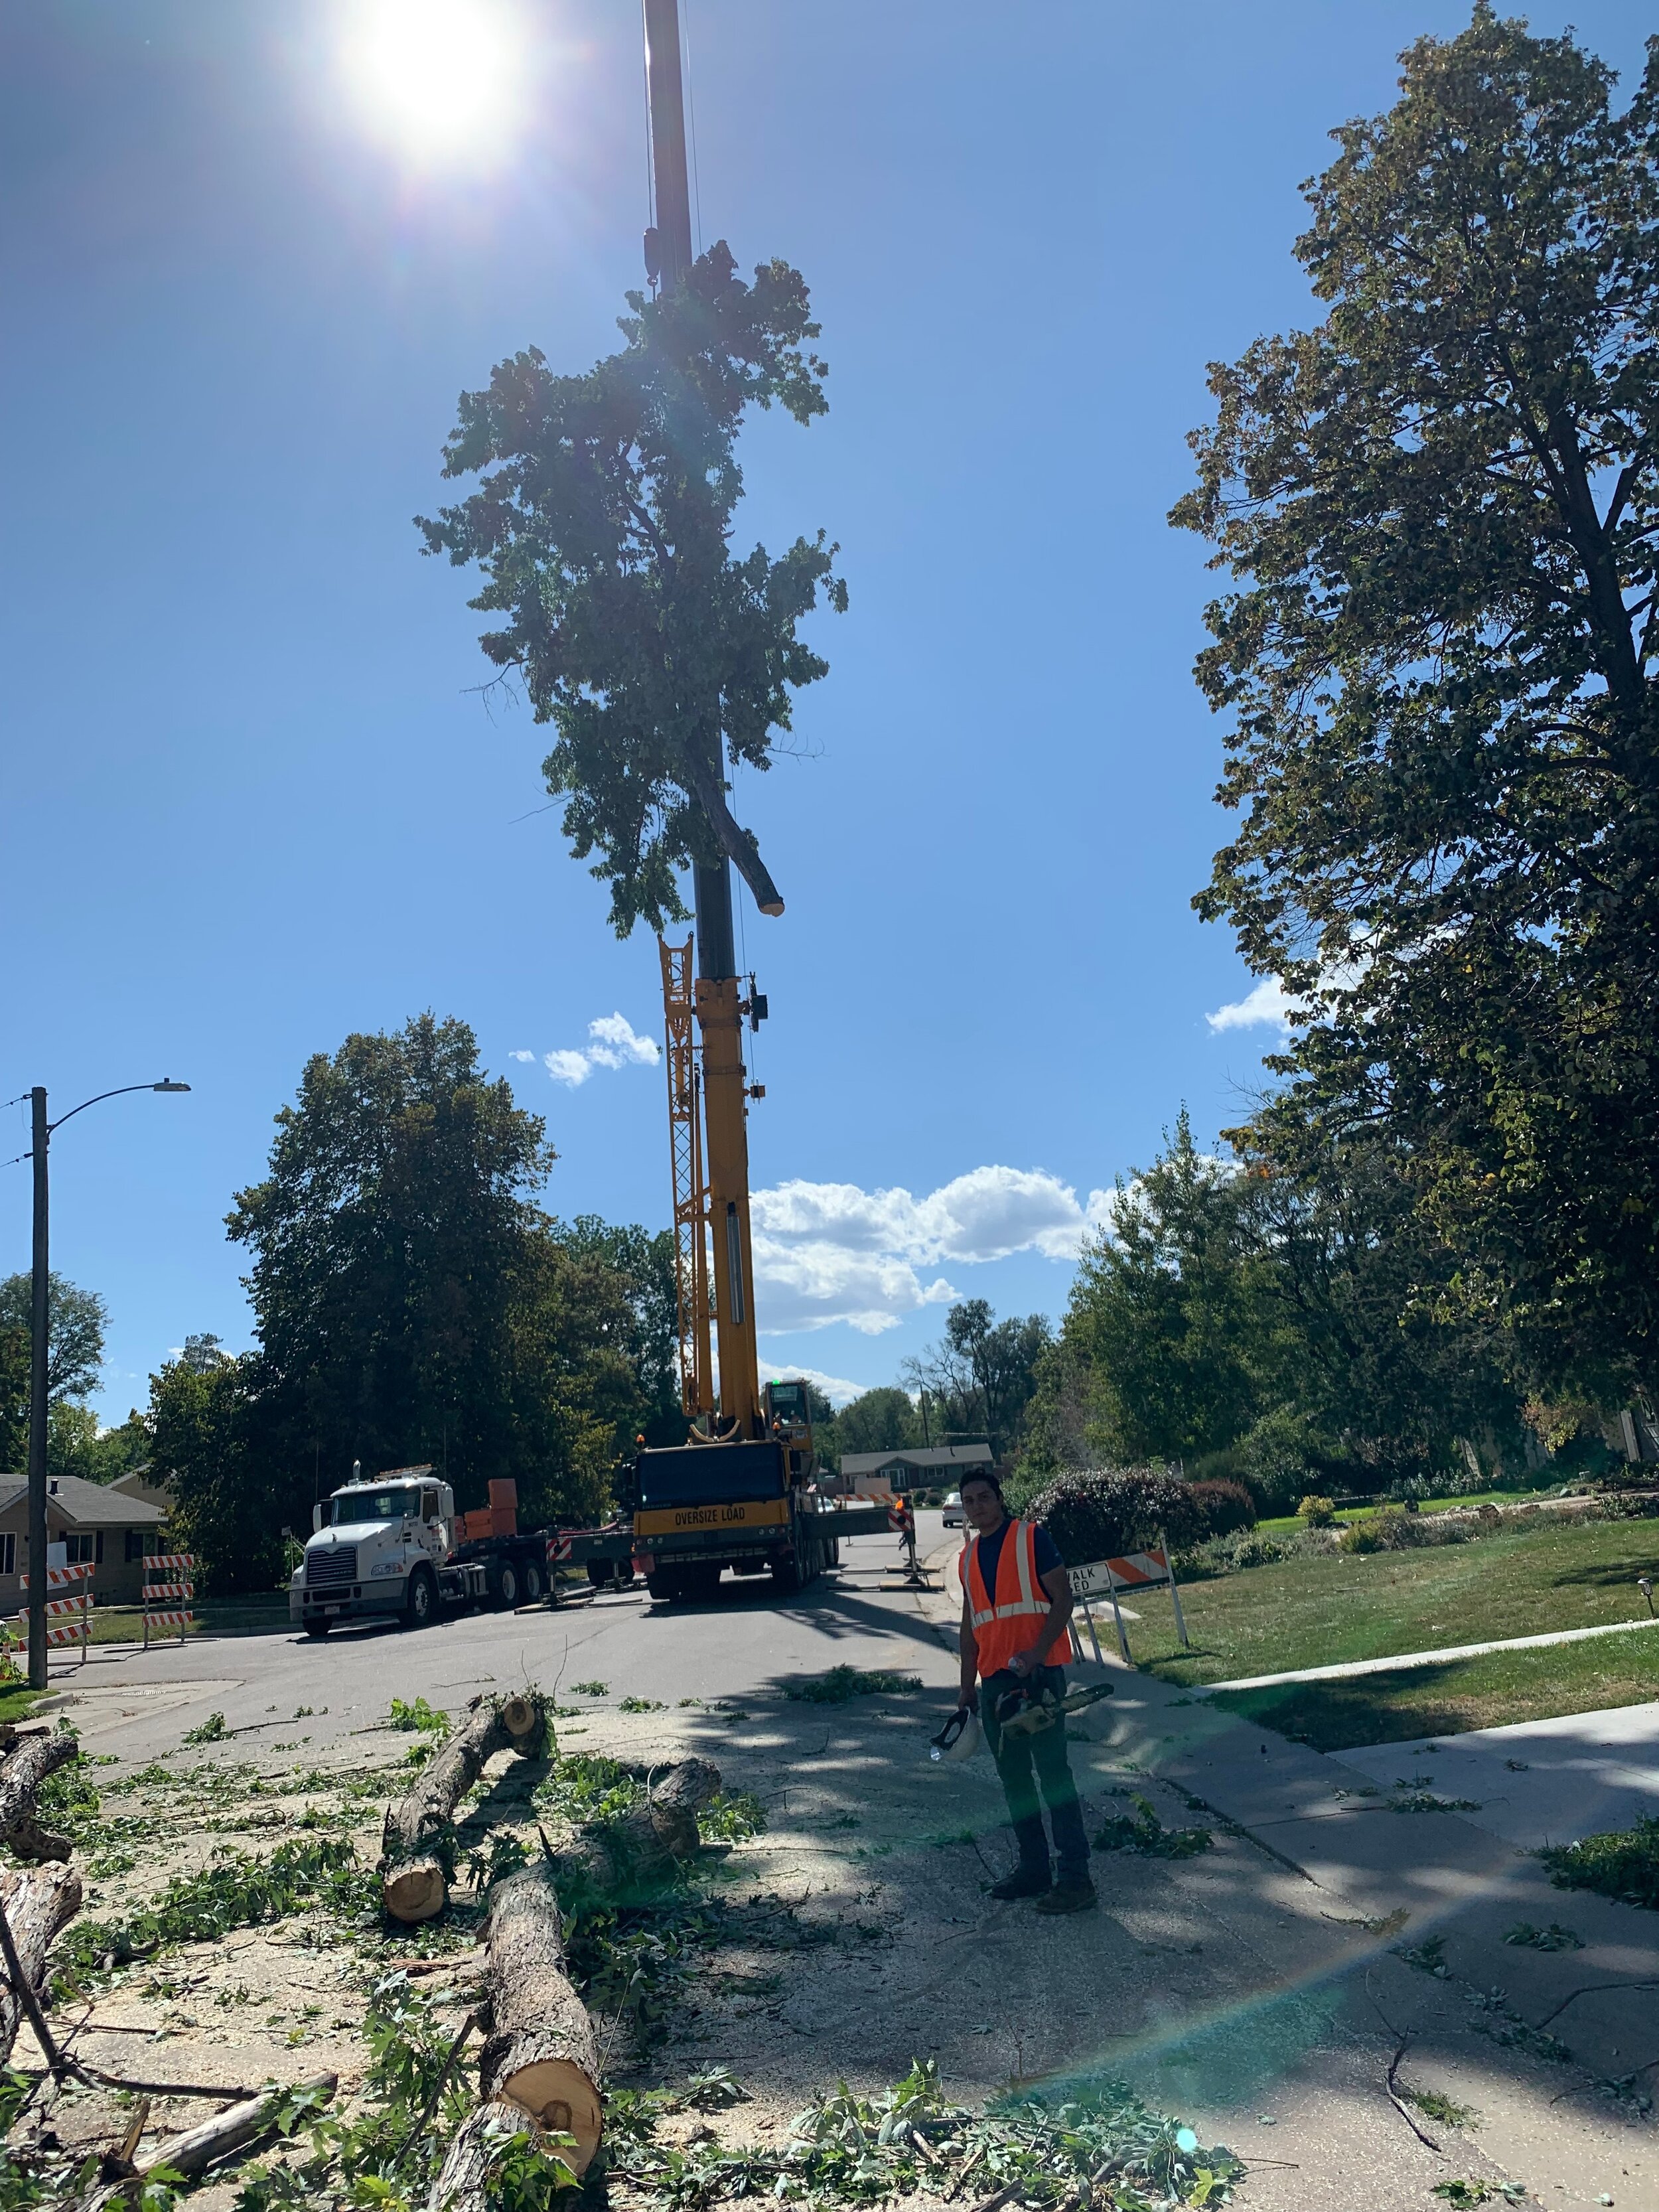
710, 1474
374, 1505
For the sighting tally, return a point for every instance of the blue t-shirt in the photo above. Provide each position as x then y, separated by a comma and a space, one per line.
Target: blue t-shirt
990, 1553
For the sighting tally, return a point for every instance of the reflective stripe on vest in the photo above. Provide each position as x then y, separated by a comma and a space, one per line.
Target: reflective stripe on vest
1001, 1618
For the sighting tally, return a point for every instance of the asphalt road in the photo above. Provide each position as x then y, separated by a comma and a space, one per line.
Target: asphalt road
136, 1703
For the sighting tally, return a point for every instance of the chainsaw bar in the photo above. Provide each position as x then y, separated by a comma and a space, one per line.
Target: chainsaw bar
1032, 1719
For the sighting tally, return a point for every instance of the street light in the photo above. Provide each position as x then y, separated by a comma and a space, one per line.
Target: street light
40, 1142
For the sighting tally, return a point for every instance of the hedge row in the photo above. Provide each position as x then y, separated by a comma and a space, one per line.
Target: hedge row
1107, 1511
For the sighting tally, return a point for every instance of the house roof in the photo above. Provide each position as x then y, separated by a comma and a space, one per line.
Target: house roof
941, 1456
85, 1504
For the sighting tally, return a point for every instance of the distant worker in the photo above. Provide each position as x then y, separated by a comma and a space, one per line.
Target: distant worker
1016, 1638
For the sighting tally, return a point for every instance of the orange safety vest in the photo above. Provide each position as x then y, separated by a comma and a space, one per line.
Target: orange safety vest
1006, 1623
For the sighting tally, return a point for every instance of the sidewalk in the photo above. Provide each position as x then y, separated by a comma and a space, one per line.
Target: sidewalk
1543, 2043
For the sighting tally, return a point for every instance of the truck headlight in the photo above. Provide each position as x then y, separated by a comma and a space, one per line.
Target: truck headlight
383, 1567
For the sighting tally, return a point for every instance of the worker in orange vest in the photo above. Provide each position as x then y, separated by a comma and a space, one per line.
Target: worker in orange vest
1016, 1638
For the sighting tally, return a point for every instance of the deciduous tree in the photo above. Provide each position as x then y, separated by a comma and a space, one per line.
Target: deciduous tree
1439, 508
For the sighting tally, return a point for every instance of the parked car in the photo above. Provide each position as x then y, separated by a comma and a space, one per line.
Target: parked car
953, 1513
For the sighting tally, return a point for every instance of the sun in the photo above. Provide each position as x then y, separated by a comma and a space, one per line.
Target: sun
440, 80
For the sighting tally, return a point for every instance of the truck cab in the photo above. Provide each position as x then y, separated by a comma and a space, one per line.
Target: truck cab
380, 1548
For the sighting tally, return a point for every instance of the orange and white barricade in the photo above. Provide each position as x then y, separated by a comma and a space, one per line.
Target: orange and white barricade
69, 1612
1149, 1570
165, 1575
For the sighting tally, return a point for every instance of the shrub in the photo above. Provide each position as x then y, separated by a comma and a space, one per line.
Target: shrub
1103, 1513
1317, 1512
1280, 1458
1224, 1507
1625, 1864
1393, 1529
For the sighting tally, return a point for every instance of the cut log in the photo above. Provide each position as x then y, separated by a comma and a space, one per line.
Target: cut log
416, 1847
541, 2055
38, 1904
629, 1858
193, 2152
463, 2184
28, 1763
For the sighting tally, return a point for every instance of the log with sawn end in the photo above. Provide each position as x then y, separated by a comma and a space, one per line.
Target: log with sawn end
38, 1902
196, 2149
541, 2058
414, 1863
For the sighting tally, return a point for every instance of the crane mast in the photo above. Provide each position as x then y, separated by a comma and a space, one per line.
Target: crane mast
714, 1270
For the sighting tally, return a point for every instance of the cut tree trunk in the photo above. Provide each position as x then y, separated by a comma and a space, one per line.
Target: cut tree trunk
635, 1855
540, 2055
414, 1875
38, 1904
28, 1763
541, 2060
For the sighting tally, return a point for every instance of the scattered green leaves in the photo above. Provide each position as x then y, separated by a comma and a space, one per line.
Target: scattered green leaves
1623, 1863
641, 1706
1442, 2108
590, 1689
1555, 1937
1147, 1836
417, 1716
732, 1817
842, 1684
211, 1731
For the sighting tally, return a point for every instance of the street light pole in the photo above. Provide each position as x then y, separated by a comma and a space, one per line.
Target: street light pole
40, 1137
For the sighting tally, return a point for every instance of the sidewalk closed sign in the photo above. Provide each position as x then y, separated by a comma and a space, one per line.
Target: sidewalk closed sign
1136, 1570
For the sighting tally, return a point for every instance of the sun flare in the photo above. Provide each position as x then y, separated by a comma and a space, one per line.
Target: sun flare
441, 80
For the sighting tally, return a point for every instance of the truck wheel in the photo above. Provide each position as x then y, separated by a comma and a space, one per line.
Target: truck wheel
507, 1586
665, 1586
601, 1573
318, 1628
421, 1606
705, 1584
786, 1576
534, 1587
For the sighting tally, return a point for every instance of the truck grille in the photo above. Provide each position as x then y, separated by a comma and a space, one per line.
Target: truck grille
338, 1564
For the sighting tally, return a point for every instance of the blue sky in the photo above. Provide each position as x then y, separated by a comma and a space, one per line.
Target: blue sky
252, 799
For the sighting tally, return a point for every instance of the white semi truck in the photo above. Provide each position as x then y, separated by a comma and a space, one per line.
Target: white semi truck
395, 1548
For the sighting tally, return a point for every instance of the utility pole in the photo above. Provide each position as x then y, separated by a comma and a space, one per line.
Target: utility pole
39, 1135
668, 260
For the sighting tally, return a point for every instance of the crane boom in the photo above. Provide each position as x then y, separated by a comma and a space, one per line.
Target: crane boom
721, 1279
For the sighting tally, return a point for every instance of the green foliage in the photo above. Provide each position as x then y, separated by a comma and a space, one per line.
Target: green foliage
418, 1716
1315, 1512
1438, 509
587, 1790
1623, 1863
640, 1706
733, 1817
211, 1731
879, 1421
235, 1892
601, 525
1147, 1836
849, 2149
1225, 1509
981, 1380
75, 1323
1442, 2108
590, 1690
1104, 1513
1555, 1937
838, 1686
501, 1853
413, 1304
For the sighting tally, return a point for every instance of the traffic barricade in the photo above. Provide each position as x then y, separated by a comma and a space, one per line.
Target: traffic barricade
69, 1614
166, 1575
1148, 1569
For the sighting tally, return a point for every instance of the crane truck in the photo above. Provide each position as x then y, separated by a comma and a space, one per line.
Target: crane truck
742, 1491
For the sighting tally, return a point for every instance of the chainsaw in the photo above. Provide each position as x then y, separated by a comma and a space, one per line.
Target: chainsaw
1020, 1713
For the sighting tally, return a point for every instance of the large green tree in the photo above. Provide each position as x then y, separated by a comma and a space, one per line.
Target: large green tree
75, 1323
981, 1377
1438, 508
603, 524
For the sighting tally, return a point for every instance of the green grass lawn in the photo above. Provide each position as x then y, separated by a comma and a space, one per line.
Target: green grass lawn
218, 1616
1317, 1611
1467, 1694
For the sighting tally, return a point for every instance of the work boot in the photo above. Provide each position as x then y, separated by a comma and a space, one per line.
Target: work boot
1024, 1882
1069, 1897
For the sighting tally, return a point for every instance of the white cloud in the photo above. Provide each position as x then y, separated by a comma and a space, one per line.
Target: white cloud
1268, 1003
615, 1044
521, 1055
834, 1252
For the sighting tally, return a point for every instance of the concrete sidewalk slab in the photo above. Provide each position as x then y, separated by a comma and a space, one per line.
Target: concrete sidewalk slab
1538, 1782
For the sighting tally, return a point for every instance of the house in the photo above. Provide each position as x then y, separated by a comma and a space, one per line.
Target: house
144, 1482
103, 1527
891, 1473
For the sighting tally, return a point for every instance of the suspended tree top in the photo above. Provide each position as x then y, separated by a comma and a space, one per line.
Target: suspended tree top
602, 526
